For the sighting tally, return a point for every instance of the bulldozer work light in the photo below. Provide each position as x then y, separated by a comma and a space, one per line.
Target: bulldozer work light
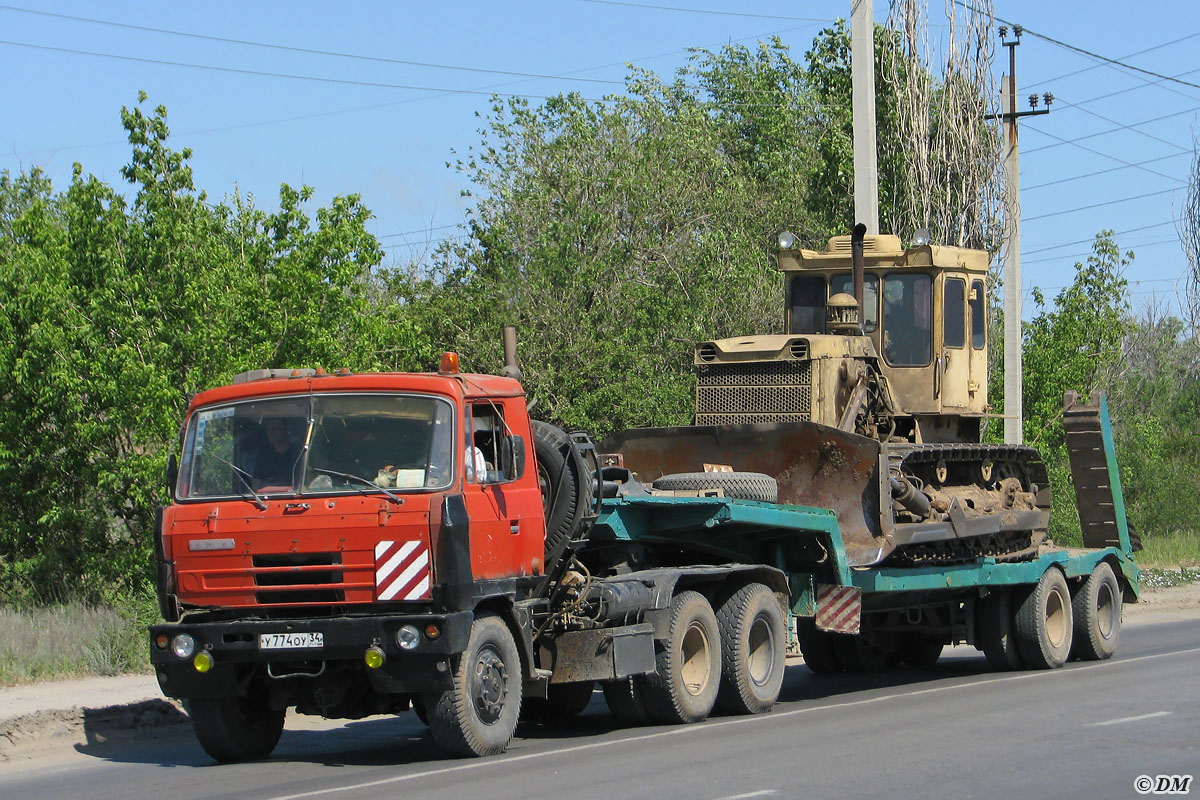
203, 662
374, 657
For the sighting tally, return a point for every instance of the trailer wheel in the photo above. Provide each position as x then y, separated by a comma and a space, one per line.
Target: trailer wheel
817, 647
235, 728
566, 488
753, 645
920, 649
736, 485
1043, 622
478, 715
1096, 608
684, 686
994, 631
625, 700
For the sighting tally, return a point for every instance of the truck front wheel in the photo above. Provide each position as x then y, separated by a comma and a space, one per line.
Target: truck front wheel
235, 728
753, 641
684, 686
478, 715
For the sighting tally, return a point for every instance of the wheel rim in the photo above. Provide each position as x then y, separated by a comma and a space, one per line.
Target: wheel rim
760, 660
544, 485
489, 685
1056, 618
1106, 609
697, 665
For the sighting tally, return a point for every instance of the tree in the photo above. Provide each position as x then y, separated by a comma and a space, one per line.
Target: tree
116, 312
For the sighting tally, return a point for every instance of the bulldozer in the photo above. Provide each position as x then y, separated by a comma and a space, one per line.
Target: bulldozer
871, 404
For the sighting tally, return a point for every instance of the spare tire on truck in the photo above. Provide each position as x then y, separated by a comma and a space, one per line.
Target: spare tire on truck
736, 485
566, 483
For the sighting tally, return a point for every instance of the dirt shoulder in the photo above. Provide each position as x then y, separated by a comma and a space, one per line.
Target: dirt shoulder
40, 717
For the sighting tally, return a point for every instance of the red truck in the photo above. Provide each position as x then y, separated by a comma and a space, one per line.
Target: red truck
348, 545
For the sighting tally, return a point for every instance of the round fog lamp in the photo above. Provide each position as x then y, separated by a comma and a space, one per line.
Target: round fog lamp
183, 645
203, 662
408, 638
374, 657
161, 641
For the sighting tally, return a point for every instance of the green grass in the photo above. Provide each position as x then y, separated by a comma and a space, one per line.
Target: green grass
1175, 549
66, 641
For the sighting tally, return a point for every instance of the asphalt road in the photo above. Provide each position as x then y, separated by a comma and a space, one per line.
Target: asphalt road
953, 731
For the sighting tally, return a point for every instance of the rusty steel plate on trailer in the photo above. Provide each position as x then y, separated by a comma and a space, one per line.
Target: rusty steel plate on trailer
815, 465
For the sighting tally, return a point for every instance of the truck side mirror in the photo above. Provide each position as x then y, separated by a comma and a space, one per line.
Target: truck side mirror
172, 474
512, 456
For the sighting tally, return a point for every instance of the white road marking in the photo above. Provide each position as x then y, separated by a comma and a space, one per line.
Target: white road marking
712, 725
747, 795
1132, 719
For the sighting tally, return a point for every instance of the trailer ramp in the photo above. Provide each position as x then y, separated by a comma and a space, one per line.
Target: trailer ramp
1094, 473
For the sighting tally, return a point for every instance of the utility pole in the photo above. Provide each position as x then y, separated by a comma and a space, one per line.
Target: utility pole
1013, 411
862, 81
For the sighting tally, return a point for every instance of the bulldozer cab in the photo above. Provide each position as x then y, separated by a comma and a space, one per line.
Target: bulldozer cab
924, 308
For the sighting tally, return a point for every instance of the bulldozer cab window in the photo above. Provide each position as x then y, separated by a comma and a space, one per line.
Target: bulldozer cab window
807, 304
845, 284
907, 329
954, 313
978, 316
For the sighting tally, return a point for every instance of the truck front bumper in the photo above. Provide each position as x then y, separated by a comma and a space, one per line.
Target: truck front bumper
235, 656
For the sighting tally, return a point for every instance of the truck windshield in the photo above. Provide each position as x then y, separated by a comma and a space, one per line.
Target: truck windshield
355, 441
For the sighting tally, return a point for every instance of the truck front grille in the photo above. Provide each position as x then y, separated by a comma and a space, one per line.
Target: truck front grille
298, 578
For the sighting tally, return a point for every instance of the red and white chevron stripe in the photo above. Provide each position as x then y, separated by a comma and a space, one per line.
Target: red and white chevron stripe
402, 571
839, 608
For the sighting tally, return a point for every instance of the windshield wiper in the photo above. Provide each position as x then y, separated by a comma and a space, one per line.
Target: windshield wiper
347, 476
245, 478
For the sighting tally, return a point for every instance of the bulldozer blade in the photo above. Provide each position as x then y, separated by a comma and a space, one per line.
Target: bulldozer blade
815, 465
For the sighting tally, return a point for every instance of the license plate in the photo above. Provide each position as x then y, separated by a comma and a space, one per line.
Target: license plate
290, 641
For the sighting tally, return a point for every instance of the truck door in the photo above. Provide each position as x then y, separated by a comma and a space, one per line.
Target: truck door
504, 509
954, 369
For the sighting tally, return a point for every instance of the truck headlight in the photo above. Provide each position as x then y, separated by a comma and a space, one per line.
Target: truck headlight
408, 637
183, 645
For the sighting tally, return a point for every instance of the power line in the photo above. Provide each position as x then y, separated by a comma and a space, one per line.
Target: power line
1081, 255
1112, 130
1105, 155
292, 49
1100, 172
706, 11
1097, 205
1082, 51
414, 233
1128, 55
239, 71
1122, 126
1085, 241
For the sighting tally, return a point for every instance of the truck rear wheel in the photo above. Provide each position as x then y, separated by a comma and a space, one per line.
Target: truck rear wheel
235, 728
736, 485
563, 700
817, 647
994, 631
1096, 609
566, 487
1044, 622
478, 715
684, 686
753, 644
920, 649
856, 654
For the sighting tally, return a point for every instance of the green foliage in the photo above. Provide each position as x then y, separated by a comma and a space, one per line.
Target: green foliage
116, 311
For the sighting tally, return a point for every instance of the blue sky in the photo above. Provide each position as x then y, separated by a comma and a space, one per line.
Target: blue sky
390, 143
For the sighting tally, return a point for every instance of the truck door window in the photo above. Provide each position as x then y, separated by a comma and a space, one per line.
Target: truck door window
487, 438
907, 328
954, 313
845, 284
807, 304
978, 316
